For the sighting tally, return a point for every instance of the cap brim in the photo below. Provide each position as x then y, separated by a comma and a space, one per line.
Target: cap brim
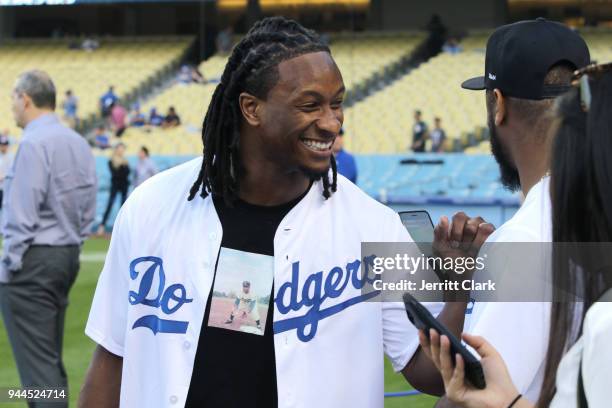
475, 84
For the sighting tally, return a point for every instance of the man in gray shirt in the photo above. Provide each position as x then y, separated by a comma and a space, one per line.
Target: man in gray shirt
49, 206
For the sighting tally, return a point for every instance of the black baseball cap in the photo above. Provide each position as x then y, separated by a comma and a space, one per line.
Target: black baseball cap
519, 55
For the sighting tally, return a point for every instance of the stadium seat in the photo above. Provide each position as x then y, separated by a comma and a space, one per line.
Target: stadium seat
125, 63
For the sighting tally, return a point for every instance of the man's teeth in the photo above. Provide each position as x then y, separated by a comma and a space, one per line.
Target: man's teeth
313, 144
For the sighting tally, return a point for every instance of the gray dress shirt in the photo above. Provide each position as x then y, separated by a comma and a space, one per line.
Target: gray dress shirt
49, 192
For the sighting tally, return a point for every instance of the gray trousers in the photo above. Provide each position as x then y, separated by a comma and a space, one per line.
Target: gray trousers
33, 306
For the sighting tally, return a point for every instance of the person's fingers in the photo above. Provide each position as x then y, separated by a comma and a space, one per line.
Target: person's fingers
424, 342
441, 231
478, 343
484, 230
469, 232
446, 364
434, 341
456, 230
458, 379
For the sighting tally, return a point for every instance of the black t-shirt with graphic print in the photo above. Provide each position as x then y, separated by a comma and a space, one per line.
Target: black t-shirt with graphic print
234, 364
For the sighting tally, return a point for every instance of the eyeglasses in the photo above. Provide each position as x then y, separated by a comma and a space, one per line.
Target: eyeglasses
582, 79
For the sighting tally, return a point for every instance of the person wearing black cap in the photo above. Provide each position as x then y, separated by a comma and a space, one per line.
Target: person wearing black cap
528, 64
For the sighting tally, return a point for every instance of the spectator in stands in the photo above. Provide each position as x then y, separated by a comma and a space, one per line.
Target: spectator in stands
437, 137
344, 160
435, 40
6, 160
225, 41
520, 127
107, 100
155, 119
145, 168
184, 76
49, 208
70, 106
120, 182
101, 139
172, 119
137, 118
90, 44
419, 133
452, 46
118, 118
578, 365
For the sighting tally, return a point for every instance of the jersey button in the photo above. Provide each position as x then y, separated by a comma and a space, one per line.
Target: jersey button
212, 236
173, 399
186, 345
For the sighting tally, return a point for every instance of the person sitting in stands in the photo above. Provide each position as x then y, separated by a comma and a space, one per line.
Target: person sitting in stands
172, 119
184, 76
155, 119
101, 139
137, 118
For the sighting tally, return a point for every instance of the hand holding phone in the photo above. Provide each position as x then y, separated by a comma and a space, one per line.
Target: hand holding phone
424, 320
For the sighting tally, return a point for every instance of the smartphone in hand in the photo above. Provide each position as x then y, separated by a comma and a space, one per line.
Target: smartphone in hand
424, 320
421, 229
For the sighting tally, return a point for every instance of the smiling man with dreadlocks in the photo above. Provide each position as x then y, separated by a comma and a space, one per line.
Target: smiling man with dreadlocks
267, 207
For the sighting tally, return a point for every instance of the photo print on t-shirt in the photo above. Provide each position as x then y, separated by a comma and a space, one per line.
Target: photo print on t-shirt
241, 292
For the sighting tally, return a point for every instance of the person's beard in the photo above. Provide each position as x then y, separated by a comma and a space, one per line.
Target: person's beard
314, 175
509, 174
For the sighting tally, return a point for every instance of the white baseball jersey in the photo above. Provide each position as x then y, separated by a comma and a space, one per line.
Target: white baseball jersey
246, 298
247, 302
329, 342
519, 330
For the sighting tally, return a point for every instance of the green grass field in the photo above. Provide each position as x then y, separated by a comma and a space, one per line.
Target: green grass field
78, 348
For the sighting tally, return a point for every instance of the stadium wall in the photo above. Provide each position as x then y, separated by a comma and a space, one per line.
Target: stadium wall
402, 14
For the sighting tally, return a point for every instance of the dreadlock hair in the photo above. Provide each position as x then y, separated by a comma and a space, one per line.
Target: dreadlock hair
252, 67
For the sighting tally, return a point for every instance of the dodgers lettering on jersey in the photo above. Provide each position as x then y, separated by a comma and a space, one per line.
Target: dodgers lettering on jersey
175, 292
311, 296
315, 292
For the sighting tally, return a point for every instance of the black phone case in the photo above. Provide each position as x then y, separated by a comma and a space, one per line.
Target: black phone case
423, 320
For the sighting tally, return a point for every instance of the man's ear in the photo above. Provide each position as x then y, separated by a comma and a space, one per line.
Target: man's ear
251, 107
500, 107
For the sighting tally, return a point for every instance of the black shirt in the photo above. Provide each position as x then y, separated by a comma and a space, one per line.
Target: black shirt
438, 136
119, 175
234, 365
418, 135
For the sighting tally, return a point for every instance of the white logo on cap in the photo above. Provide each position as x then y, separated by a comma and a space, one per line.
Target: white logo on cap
493, 77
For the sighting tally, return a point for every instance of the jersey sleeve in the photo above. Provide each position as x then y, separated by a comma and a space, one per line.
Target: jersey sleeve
597, 354
107, 323
400, 337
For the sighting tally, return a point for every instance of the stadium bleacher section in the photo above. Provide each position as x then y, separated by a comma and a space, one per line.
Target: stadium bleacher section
361, 56
127, 63
382, 123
